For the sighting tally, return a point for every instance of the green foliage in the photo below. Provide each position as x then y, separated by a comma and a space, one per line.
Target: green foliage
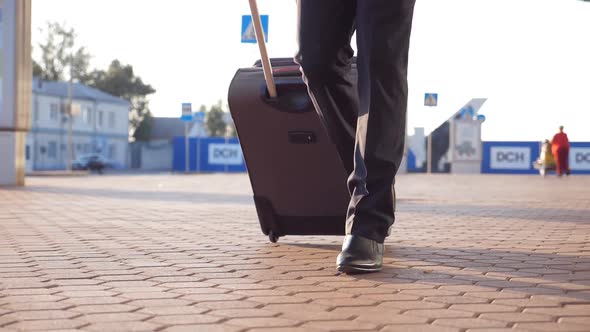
214, 120
143, 131
59, 56
37, 70
120, 80
215, 123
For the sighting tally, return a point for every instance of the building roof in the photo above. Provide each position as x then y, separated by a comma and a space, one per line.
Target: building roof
166, 128
79, 91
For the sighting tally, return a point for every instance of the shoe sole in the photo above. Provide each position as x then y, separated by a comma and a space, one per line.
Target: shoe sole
357, 269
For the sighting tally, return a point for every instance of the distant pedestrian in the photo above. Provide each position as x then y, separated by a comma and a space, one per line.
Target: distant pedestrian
560, 147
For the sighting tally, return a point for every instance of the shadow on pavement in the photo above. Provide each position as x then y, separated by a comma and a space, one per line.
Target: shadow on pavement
162, 196
496, 211
515, 271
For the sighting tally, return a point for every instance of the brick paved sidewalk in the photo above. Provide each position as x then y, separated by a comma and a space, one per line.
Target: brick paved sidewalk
185, 253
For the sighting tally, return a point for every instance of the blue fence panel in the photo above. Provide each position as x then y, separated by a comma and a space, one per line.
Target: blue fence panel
518, 157
215, 155
510, 157
580, 157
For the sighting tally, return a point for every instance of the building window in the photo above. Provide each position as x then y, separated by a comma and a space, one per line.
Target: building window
112, 151
100, 118
87, 115
54, 114
52, 150
86, 148
36, 110
111, 120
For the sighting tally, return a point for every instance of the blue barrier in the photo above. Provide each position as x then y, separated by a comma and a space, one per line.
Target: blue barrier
518, 157
498, 157
215, 155
509, 157
580, 157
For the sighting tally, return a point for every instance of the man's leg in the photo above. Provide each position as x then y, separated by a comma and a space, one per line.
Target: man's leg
562, 156
383, 36
566, 161
325, 28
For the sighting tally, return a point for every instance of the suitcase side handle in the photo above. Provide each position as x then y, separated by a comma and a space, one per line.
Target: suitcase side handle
266, 66
294, 98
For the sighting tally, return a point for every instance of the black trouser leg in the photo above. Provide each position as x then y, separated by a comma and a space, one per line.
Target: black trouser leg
325, 28
383, 37
379, 105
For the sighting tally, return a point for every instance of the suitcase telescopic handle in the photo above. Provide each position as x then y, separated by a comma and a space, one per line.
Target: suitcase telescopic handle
266, 66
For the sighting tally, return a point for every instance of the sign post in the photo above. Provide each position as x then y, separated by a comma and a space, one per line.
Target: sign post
187, 116
199, 118
228, 121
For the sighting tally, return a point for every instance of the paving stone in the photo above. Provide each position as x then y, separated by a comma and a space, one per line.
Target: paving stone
483, 308
239, 313
283, 329
204, 327
47, 324
177, 310
511, 260
122, 327
418, 328
516, 317
114, 317
552, 327
24, 306
576, 320
104, 308
94, 300
469, 322
44, 314
262, 322
228, 304
7, 320
340, 325
389, 318
185, 319
439, 313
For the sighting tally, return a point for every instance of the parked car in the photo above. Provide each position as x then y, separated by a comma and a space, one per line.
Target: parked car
91, 162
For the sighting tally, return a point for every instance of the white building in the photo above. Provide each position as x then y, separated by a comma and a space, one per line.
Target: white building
101, 127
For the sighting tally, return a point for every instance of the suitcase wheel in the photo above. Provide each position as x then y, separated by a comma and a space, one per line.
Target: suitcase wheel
273, 237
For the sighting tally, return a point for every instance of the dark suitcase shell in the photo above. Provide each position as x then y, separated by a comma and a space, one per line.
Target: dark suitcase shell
297, 177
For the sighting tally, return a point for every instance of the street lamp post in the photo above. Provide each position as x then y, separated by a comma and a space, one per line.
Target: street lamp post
70, 116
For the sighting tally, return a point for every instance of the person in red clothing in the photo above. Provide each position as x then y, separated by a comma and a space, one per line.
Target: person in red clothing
560, 147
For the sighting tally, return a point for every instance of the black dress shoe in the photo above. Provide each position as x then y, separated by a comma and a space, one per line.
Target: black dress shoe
360, 255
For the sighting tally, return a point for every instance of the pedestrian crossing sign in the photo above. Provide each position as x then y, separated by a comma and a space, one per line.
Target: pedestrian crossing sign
248, 32
430, 99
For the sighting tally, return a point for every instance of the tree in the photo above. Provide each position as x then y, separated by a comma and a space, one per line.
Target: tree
214, 120
37, 70
120, 80
142, 133
60, 56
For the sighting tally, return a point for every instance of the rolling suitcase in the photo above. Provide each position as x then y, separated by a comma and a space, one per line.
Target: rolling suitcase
297, 177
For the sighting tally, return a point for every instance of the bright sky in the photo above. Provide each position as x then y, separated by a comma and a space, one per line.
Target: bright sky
530, 58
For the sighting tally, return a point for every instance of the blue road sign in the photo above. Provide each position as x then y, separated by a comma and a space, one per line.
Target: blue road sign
248, 32
430, 99
199, 116
187, 112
